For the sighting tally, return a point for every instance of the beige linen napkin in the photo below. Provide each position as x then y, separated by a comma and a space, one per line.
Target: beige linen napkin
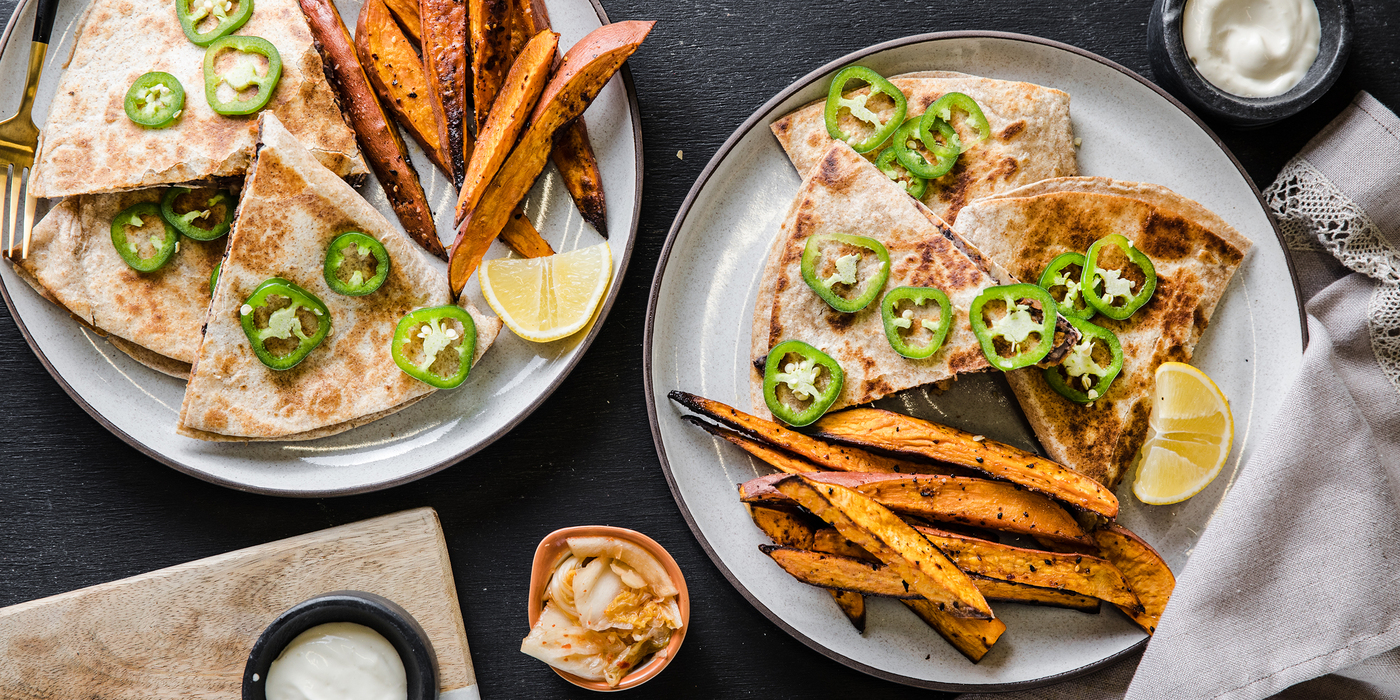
1294, 588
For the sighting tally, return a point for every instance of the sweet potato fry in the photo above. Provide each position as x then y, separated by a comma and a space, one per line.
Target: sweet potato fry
793, 530
488, 30
823, 454
1026, 594
578, 167
522, 237
497, 134
580, 76
778, 459
959, 500
886, 430
1078, 573
382, 145
406, 11
1145, 570
830, 541
444, 31
972, 638
880, 532
783, 527
397, 75
980, 503
854, 575
573, 152
852, 606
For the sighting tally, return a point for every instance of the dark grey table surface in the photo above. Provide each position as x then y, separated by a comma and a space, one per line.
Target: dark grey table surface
79, 507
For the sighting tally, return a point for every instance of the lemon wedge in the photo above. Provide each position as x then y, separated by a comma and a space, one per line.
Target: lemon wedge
1190, 434
548, 298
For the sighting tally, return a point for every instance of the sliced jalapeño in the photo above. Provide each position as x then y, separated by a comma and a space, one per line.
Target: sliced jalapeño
204, 214
905, 331
356, 264
239, 72
1109, 290
143, 239
284, 323
858, 107
1090, 366
1011, 336
800, 382
844, 274
436, 345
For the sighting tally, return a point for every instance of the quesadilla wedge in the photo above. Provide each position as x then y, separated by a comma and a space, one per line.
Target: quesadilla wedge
845, 194
1031, 139
292, 208
72, 262
1195, 253
88, 145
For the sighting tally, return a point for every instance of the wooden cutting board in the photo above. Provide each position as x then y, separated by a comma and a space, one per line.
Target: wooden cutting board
185, 632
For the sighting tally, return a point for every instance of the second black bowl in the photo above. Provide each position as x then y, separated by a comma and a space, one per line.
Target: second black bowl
1175, 72
373, 611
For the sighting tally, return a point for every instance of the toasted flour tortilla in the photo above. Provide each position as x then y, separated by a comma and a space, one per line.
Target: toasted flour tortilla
1031, 140
1195, 253
845, 193
73, 263
88, 145
292, 208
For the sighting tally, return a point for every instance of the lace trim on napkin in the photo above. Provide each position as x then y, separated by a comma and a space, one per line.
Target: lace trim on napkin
1315, 215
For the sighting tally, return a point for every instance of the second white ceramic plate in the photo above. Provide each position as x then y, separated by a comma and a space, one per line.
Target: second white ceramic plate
698, 340
141, 406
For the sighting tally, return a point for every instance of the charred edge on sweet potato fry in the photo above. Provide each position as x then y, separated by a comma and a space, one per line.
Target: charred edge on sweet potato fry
886, 430
823, 454
381, 143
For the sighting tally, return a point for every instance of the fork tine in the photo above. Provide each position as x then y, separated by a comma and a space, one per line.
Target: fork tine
4, 210
16, 172
29, 203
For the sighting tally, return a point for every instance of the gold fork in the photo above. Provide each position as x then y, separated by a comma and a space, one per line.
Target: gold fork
19, 137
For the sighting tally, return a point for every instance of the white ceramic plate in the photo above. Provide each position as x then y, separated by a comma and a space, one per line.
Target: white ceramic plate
140, 406
698, 340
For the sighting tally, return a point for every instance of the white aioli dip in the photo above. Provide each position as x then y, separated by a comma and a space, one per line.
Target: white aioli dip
338, 661
1252, 48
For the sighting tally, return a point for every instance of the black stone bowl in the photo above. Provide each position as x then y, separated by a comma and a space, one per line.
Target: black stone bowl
375, 612
1176, 73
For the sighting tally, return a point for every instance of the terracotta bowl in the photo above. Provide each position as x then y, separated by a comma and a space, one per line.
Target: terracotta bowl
554, 547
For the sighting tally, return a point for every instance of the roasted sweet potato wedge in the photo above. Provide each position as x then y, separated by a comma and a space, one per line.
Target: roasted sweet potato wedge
852, 606
972, 638
488, 30
825, 455
885, 430
573, 152
862, 576
496, 136
783, 527
522, 237
793, 530
444, 32
1078, 573
578, 167
382, 145
1145, 570
830, 541
397, 74
406, 12
880, 532
959, 500
776, 458
580, 76
980, 503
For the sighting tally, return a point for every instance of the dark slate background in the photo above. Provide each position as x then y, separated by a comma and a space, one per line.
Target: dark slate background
79, 507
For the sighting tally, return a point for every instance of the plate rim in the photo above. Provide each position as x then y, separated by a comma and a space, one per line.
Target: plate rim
688, 203
634, 110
